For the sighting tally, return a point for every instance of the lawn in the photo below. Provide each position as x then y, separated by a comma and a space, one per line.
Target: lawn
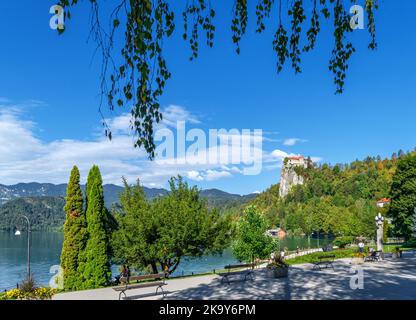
310, 258
347, 253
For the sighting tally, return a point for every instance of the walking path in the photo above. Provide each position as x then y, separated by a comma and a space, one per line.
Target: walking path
302, 253
389, 279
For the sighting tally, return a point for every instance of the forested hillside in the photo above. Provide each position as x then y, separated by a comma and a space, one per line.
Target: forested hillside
44, 213
47, 213
339, 199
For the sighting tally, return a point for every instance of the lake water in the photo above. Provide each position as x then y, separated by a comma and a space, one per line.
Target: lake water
46, 250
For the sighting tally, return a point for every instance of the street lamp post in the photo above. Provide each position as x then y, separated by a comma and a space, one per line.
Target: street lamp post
18, 233
380, 226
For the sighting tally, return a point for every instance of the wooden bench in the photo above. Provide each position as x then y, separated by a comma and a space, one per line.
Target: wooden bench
159, 282
324, 262
374, 256
246, 270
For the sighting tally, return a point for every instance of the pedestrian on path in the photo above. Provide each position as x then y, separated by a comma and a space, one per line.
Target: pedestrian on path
361, 246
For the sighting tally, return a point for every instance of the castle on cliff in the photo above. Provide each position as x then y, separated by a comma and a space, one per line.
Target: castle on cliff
288, 176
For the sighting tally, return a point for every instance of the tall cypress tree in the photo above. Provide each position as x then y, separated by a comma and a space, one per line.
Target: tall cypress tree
75, 232
96, 258
403, 193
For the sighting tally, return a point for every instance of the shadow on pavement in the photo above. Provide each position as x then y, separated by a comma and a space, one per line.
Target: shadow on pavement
388, 279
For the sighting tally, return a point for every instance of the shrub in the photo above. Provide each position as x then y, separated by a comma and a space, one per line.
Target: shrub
13, 294
277, 262
28, 285
343, 241
411, 243
44, 293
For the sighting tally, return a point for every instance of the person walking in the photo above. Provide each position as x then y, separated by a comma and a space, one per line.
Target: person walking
361, 246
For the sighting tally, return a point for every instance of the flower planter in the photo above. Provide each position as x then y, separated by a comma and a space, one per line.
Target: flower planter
277, 272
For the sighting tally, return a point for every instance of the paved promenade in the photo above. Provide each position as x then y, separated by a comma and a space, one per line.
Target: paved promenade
389, 279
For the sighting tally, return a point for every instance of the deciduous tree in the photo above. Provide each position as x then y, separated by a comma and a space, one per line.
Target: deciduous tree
403, 194
251, 240
160, 234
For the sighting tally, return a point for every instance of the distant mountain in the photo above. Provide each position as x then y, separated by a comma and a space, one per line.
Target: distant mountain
220, 199
44, 213
34, 189
44, 202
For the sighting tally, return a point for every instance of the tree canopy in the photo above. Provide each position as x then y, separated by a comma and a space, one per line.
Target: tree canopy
75, 233
95, 267
338, 199
157, 235
138, 82
403, 192
251, 241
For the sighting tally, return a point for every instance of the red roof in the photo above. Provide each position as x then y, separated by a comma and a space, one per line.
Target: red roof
384, 200
296, 158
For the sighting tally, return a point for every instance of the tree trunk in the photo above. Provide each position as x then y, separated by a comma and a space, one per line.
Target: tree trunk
154, 267
175, 266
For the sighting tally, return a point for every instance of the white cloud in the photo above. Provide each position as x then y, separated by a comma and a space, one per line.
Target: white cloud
25, 158
293, 141
279, 154
209, 175
316, 159
171, 115
120, 124
212, 175
195, 175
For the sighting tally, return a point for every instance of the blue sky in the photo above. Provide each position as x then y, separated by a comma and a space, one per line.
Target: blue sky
49, 90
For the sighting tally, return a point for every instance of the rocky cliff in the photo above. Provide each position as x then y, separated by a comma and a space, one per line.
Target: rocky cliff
288, 175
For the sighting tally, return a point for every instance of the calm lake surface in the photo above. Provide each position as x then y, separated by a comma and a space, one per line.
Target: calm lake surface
46, 250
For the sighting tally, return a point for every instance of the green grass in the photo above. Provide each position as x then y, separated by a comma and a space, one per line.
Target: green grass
346, 253
392, 247
310, 258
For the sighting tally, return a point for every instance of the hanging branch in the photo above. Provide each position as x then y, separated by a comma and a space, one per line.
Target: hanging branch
370, 6
342, 52
263, 9
202, 15
298, 16
138, 82
239, 22
314, 30
280, 42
